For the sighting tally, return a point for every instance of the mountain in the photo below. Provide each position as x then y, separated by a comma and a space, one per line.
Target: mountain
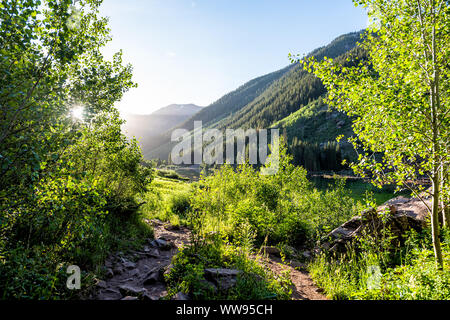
220, 109
145, 127
266, 100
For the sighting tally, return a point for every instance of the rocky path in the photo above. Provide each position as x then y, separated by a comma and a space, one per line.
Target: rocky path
303, 287
140, 274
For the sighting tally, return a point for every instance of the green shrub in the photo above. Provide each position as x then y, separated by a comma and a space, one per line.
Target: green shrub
180, 204
254, 282
280, 208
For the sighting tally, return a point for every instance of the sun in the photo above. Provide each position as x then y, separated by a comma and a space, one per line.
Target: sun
77, 112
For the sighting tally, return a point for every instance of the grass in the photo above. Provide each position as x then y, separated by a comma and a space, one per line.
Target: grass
408, 273
358, 189
167, 200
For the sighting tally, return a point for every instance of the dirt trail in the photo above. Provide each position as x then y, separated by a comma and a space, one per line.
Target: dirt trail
140, 274
303, 286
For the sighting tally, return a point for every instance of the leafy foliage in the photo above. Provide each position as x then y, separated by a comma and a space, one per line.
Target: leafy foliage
65, 183
280, 208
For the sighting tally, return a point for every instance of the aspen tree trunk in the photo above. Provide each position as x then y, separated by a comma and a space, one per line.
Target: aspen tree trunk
445, 198
436, 174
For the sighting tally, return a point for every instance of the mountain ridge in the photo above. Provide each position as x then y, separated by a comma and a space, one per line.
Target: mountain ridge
281, 94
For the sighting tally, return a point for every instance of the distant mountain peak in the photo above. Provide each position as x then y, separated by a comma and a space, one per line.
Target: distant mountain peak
189, 108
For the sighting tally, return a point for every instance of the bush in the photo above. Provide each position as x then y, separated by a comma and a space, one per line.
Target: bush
280, 208
77, 210
254, 282
180, 204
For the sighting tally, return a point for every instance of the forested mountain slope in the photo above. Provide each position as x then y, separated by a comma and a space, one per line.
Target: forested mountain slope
286, 91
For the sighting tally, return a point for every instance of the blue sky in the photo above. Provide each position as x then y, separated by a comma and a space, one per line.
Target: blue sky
195, 51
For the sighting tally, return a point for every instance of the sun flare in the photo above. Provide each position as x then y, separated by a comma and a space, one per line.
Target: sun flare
77, 112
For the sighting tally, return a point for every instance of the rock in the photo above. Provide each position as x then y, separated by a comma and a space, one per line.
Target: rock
220, 272
134, 272
152, 278
148, 296
399, 214
297, 265
101, 284
109, 273
224, 279
156, 222
274, 251
306, 254
108, 264
171, 227
130, 298
181, 296
129, 289
118, 270
161, 244
127, 264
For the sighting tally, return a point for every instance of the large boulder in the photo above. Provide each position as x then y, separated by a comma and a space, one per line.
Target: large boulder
399, 214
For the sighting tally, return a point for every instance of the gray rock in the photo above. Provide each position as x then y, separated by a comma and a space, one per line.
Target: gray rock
118, 270
161, 244
109, 273
399, 214
224, 279
306, 254
130, 298
134, 272
152, 278
171, 227
148, 296
220, 272
127, 263
181, 296
274, 251
132, 290
297, 265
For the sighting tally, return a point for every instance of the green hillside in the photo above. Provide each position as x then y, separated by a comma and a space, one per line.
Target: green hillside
267, 100
222, 108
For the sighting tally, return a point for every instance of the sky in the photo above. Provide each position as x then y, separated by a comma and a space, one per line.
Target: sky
195, 51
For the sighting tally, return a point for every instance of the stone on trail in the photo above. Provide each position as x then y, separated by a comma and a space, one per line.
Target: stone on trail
181, 296
118, 270
130, 298
152, 278
109, 273
161, 244
129, 289
224, 279
274, 251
